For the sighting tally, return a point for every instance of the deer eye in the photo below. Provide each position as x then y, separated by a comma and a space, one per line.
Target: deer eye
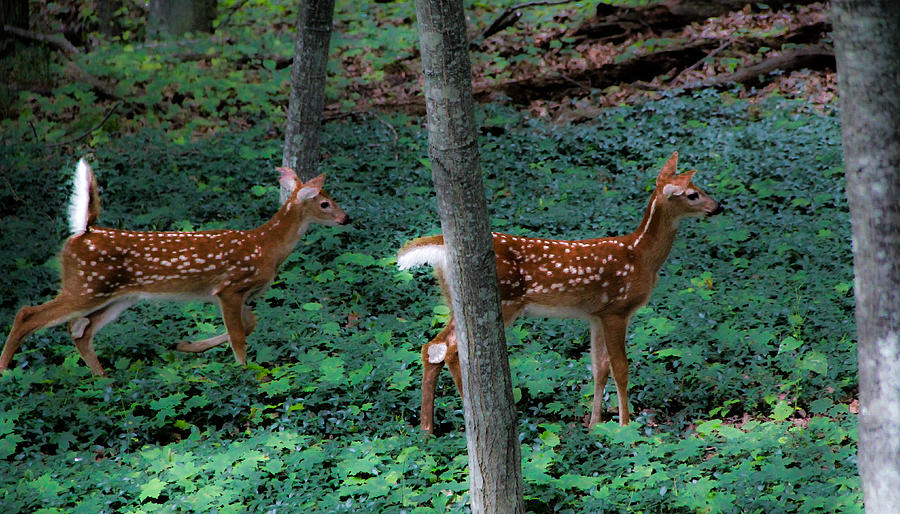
693, 196
325, 204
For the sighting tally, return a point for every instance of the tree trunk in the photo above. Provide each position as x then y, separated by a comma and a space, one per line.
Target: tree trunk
307, 101
109, 21
495, 475
867, 47
170, 18
13, 13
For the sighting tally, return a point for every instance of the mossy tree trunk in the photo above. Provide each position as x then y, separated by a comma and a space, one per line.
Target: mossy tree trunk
495, 474
867, 48
307, 99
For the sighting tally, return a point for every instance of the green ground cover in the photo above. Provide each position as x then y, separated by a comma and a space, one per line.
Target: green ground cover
743, 369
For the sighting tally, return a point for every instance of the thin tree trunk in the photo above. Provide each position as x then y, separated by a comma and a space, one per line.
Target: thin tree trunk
109, 21
13, 13
867, 47
495, 475
307, 101
170, 18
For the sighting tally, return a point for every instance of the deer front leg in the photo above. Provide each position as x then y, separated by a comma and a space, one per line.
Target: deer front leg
614, 327
205, 344
232, 305
599, 369
82, 331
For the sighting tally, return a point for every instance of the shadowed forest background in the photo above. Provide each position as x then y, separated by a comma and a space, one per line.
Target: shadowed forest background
743, 364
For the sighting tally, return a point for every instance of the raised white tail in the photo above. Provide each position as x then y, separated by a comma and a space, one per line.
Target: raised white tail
83, 191
426, 253
105, 271
603, 281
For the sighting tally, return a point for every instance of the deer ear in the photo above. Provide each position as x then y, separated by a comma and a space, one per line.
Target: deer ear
668, 169
672, 189
318, 182
288, 178
686, 177
306, 192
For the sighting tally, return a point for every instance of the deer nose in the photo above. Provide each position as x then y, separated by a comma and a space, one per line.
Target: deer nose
718, 210
344, 221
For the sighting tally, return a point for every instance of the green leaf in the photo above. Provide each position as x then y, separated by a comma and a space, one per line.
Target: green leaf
357, 376
708, 426
332, 369
401, 379
814, 361
666, 352
151, 489
549, 438
47, 487
789, 344
360, 259
782, 410
165, 407
8, 444
570, 481
441, 309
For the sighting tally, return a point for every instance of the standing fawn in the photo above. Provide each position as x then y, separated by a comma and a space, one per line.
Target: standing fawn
603, 281
105, 271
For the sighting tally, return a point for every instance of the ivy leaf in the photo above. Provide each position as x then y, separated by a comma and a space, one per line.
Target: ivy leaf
151, 489
789, 344
8, 445
401, 379
165, 407
781, 411
814, 361
549, 438
47, 487
332, 369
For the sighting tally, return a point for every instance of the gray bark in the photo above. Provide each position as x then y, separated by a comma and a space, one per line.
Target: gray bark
495, 474
171, 18
867, 47
106, 14
307, 101
13, 13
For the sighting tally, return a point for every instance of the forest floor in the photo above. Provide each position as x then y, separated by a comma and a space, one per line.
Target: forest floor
558, 60
564, 63
743, 375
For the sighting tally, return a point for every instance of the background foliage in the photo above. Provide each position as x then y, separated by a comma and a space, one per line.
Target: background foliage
743, 373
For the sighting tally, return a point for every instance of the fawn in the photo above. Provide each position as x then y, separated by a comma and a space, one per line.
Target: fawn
105, 271
603, 281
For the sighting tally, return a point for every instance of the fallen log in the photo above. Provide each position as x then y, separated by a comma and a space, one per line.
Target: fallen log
616, 23
816, 58
642, 68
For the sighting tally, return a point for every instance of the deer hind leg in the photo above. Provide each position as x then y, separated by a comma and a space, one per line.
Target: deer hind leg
614, 328
446, 346
32, 318
82, 331
434, 354
205, 344
599, 369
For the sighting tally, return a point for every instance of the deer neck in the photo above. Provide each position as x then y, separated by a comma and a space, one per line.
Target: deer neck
653, 239
280, 235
